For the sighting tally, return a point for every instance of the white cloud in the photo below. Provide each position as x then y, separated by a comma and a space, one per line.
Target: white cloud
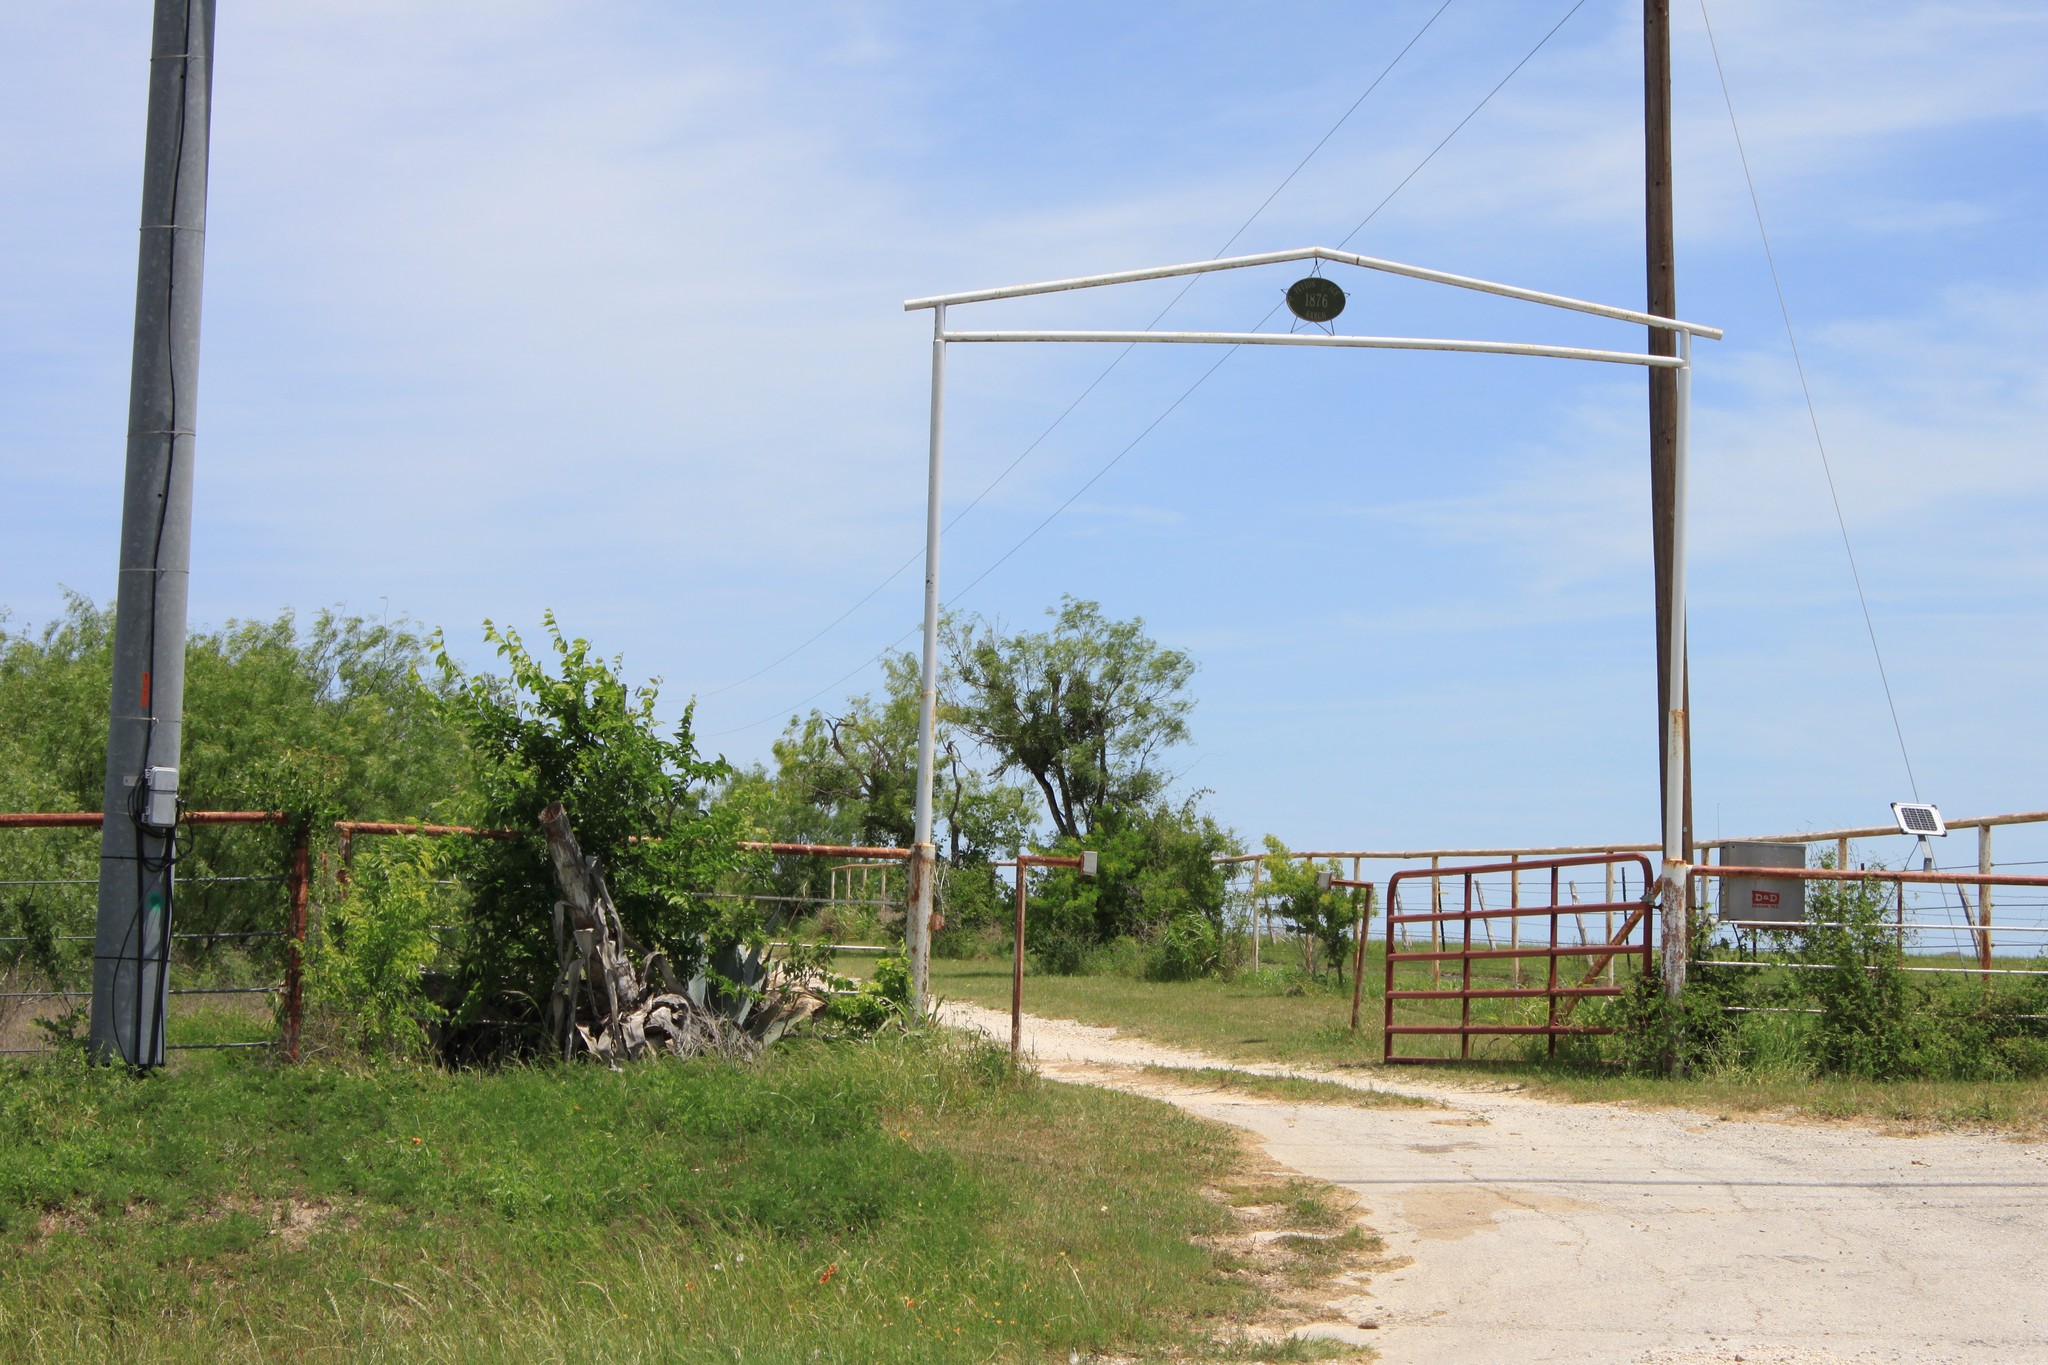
518, 304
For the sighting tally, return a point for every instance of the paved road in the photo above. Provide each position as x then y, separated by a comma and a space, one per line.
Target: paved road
1546, 1232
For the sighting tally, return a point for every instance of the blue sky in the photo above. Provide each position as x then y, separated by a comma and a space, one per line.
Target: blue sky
516, 306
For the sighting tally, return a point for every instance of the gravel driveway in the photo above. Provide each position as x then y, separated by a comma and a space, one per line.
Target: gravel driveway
1590, 1233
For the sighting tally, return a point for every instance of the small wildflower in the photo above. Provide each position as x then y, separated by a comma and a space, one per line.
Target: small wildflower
830, 1271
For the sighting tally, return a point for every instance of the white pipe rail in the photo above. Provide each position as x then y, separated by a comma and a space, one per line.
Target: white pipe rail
1318, 253
1662, 362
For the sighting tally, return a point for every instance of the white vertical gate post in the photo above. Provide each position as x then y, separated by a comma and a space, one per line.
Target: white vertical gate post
917, 929
1672, 892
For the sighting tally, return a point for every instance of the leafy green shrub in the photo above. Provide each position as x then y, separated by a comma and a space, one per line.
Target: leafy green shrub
1326, 919
635, 797
1846, 1007
1155, 865
847, 923
1869, 1008
366, 970
1122, 956
31, 933
1653, 1035
1190, 948
962, 944
882, 999
971, 896
320, 715
1059, 951
1964, 1034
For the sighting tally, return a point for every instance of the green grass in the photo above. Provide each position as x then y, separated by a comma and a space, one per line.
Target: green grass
1273, 1018
2016, 1107
1292, 1089
1263, 1019
910, 1200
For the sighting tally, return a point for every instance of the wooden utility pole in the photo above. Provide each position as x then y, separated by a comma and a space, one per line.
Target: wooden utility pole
1660, 253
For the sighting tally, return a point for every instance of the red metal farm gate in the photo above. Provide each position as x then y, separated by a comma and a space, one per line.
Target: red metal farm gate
1461, 971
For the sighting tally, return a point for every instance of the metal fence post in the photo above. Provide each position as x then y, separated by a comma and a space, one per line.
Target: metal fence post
1358, 965
1436, 928
1514, 921
1252, 904
1984, 904
295, 946
1017, 965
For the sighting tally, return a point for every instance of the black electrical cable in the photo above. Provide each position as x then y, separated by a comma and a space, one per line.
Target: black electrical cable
1806, 391
1541, 43
1110, 368
138, 796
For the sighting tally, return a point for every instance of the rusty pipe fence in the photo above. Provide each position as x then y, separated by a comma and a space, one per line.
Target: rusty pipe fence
295, 878
1979, 919
1919, 908
1461, 967
1839, 841
1433, 981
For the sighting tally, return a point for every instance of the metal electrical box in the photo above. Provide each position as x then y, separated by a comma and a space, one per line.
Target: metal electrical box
1763, 900
159, 805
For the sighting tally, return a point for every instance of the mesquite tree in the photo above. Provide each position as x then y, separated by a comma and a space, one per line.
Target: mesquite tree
1085, 710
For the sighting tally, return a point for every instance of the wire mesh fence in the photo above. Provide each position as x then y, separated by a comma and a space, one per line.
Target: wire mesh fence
1981, 925
246, 891
234, 966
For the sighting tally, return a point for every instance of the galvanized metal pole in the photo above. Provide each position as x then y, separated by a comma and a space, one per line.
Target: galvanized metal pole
1677, 917
1436, 927
297, 883
917, 932
1608, 926
131, 947
1984, 954
1253, 905
1514, 921
1017, 962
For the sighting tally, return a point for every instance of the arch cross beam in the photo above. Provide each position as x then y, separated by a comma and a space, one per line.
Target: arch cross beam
923, 856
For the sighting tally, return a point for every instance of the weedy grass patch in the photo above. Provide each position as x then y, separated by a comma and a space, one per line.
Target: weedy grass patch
1291, 1089
912, 1199
1276, 1018
1263, 1017
2019, 1108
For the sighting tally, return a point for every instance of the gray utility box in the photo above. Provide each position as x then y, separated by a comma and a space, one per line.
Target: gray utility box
1763, 900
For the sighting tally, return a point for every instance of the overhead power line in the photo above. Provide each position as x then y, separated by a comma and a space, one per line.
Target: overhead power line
1184, 395
1806, 391
1108, 369
1541, 43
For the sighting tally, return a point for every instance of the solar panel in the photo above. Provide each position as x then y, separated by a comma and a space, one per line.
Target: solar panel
1918, 817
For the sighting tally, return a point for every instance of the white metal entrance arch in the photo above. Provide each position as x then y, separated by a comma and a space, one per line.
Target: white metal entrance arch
917, 931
